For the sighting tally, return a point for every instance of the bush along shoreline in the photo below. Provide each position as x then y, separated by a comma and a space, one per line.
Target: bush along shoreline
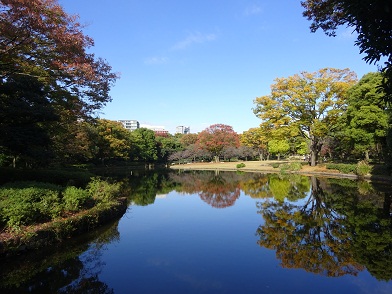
34, 215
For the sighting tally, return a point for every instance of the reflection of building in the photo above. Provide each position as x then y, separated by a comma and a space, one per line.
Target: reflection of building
130, 125
183, 130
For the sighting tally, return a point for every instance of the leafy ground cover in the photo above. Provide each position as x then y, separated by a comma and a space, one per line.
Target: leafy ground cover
34, 214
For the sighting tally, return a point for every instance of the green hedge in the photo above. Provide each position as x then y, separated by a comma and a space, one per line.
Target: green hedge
28, 203
342, 167
361, 169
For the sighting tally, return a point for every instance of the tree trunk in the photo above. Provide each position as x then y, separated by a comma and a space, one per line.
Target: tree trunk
367, 155
261, 154
315, 147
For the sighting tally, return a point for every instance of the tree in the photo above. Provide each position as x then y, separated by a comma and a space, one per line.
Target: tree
308, 103
371, 20
39, 39
278, 147
188, 139
167, 146
256, 138
366, 119
44, 48
78, 142
25, 119
114, 141
216, 137
144, 145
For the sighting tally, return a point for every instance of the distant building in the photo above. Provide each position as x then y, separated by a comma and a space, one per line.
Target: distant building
130, 125
158, 130
183, 130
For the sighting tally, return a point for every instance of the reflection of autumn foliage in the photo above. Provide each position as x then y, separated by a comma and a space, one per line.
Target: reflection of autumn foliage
257, 187
310, 236
218, 189
219, 194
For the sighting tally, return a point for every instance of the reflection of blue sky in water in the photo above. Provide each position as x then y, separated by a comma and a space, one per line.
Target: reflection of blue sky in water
181, 244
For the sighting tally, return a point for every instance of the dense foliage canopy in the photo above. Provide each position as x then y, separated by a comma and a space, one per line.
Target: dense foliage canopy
370, 19
48, 79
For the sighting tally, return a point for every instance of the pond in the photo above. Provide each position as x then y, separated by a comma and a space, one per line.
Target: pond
225, 232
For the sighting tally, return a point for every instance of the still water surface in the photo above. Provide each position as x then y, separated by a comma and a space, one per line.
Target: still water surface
225, 232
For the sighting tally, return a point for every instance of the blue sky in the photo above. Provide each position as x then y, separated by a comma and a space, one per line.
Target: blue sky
198, 63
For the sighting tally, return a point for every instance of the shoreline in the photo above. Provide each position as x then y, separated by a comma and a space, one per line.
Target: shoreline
266, 167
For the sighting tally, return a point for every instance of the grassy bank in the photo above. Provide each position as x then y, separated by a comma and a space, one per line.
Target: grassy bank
41, 235
35, 214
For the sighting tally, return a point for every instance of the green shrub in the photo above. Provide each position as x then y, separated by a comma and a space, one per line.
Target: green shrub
363, 168
28, 203
75, 198
284, 167
275, 165
50, 206
342, 167
294, 166
24, 204
102, 191
241, 165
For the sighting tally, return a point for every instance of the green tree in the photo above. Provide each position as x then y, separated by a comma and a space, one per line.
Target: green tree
144, 145
216, 137
256, 138
371, 20
113, 140
25, 118
366, 118
167, 146
278, 147
308, 103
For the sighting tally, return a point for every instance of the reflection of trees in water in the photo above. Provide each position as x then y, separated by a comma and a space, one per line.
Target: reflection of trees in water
71, 269
218, 189
257, 187
144, 186
280, 187
222, 189
337, 231
368, 215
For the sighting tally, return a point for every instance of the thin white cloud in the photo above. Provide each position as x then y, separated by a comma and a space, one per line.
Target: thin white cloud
252, 10
156, 60
193, 38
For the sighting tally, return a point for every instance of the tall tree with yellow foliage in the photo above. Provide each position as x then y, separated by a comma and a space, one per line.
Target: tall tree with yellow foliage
308, 103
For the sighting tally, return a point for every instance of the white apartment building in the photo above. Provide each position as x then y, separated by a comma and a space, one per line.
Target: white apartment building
130, 125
